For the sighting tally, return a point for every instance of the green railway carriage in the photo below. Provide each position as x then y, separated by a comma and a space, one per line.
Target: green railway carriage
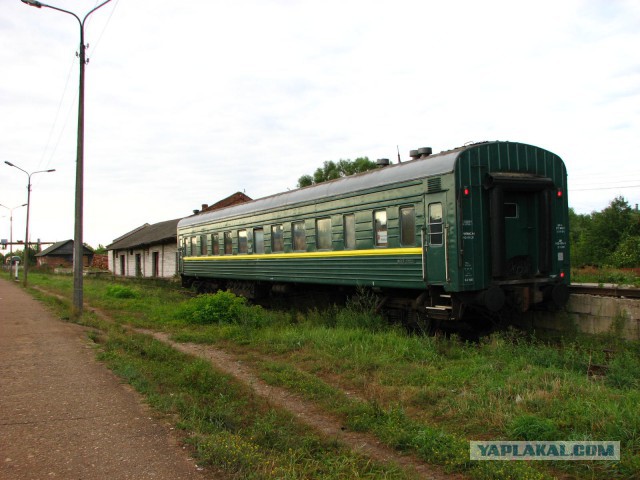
482, 227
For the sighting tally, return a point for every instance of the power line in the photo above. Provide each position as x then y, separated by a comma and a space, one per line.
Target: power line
55, 121
97, 42
74, 103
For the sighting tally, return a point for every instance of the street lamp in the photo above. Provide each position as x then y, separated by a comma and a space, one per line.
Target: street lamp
11, 229
11, 224
26, 235
77, 237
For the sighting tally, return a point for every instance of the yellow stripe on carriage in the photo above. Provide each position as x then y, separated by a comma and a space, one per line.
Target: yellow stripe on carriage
319, 254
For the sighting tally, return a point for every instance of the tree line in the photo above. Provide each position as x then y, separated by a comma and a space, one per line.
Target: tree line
331, 170
609, 238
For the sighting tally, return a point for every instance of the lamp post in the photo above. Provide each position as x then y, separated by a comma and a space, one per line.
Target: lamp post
26, 235
77, 237
11, 229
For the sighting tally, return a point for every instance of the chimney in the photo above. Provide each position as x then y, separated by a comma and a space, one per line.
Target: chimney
204, 206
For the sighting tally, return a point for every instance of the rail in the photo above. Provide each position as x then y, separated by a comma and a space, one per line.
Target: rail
604, 290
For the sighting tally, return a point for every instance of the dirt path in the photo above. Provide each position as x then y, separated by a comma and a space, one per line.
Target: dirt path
306, 412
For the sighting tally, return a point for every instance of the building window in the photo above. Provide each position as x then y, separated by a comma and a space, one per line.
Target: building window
299, 236
242, 241
215, 245
277, 238
228, 243
349, 232
258, 240
323, 234
380, 228
435, 224
203, 245
407, 226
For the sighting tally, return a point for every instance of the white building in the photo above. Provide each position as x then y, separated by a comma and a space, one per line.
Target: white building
147, 251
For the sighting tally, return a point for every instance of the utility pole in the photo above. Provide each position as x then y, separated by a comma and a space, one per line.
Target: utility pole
77, 236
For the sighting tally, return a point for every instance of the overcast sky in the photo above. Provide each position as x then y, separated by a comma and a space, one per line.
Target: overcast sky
189, 102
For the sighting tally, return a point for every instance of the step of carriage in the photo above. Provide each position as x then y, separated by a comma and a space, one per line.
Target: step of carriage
442, 312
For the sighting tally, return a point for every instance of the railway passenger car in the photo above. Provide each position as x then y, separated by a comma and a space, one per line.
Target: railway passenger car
481, 229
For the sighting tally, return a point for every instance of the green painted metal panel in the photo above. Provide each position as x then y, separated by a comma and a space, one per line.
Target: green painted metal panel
398, 271
523, 229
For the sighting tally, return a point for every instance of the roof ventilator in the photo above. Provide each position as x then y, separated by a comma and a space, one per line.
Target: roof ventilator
423, 152
382, 162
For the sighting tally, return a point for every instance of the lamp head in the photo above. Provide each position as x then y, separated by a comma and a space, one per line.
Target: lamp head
9, 163
33, 3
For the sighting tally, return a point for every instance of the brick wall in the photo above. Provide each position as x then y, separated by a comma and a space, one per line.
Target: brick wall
100, 261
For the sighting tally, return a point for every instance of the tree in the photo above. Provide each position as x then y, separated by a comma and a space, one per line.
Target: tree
331, 170
607, 238
577, 227
101, 250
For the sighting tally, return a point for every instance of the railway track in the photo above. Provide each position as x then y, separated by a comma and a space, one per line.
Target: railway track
604, 290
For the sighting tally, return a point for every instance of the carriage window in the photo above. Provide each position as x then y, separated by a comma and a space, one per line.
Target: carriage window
435, 224
215, 246
277, 238
323, 234
228, 243
203, 245
380, 228
299, 236
193, 247
408, 226
258, 240
242, 241
349, 232
510, 210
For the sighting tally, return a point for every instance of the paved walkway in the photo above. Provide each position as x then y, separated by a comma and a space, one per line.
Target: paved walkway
64, 415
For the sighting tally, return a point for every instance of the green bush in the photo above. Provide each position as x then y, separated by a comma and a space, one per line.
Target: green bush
121, 291
222, 308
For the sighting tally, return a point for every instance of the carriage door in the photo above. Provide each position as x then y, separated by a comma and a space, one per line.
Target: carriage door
521, 235
435, 239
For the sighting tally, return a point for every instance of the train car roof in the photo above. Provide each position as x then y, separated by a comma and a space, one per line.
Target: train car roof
436, 164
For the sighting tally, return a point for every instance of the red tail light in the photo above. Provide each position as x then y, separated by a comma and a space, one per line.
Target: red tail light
559, 193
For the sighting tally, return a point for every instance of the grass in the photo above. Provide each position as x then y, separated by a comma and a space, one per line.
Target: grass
424, 395
628, 277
